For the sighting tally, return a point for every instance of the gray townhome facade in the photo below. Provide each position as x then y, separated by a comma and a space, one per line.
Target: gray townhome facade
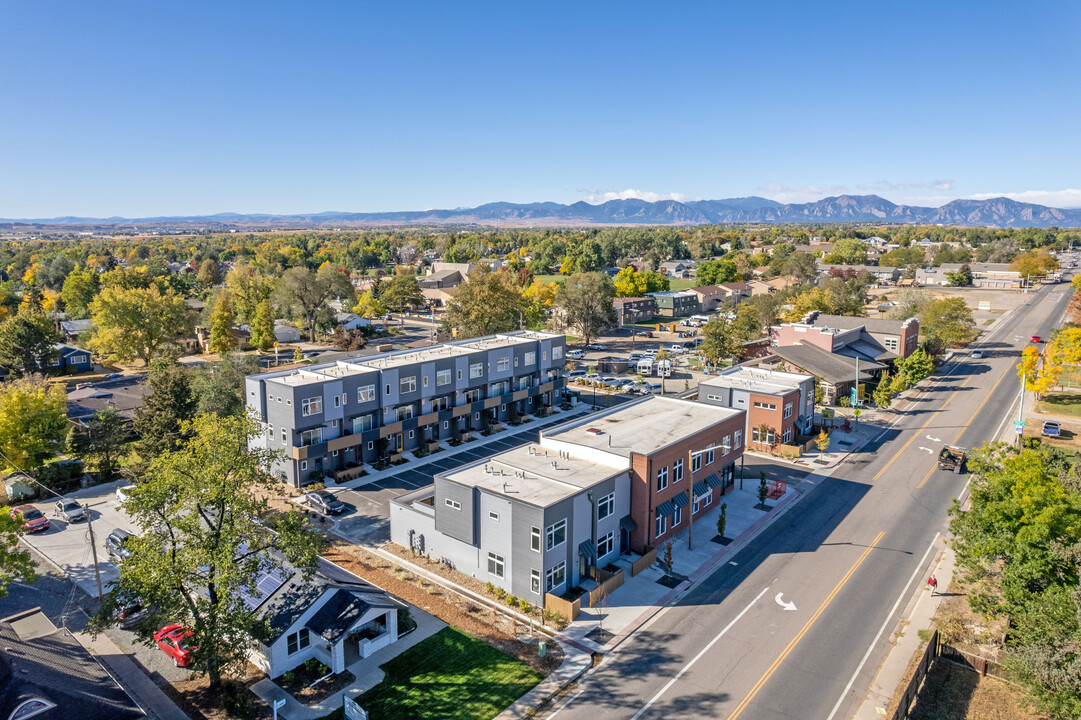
532, 520
330, 419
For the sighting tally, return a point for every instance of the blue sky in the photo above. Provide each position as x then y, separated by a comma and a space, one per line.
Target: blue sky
139, 108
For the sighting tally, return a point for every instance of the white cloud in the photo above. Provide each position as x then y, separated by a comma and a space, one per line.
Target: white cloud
595, 196
802, 194
1069, 198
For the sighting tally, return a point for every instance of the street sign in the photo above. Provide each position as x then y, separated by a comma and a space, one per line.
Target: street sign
1019, 423
1019, 429
827, 414
857, 412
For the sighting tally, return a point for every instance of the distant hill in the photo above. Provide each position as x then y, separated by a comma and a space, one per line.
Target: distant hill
994, 212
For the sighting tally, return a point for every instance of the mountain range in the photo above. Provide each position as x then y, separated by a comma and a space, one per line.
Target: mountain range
993, 212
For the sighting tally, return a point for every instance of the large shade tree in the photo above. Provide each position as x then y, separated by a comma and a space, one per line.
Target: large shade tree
487, 302
586, 303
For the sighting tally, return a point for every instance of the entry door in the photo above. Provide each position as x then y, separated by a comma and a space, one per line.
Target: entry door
399, 437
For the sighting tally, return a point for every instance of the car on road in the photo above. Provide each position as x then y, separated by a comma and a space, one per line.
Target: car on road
576, 354
175, 641
676, 349
325, 502
1035, 338
122, 493
1051, 428
113, 376
977, 354
596, 346
644, 333
116, 544
31, 518
69, 511
652, 352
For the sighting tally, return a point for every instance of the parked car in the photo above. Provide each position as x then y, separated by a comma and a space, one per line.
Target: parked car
576, 373
32, 519
175, 641
131, 616
676, 349
596, 346
122, 493
576, 354
1035, 339
325, 502
1051, 428
652, 352
69, 511
645, 334
613, 382
977, 354
116, 545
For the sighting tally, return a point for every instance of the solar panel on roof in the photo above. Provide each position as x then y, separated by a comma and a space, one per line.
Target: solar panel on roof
265, 586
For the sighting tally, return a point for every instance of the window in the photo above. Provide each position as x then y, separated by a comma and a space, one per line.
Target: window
677, 516
345, 399
718, 398
446, 424
408, 385
767, 437
788, 410
726, 445
366, 393
335, 453
303, 464
696, 463
605, 544
270, 432
476, 370
677, 471
534, 581
557, 352
452, 504
556, 534
534, 539
530, 358
425, 381
442, 377
297, 641
662, 523
388, 389
459, 374
890, 343
311, 437
471, 396
311, 406
363, 423
493, 516
738, 439
502, 364
556, 576
495, 565
410, 434
709, 456
786, 437
288, 403
764, 406
279, 399
337, 401
694, 505
371, 444
606, 506
285, 438
662, 478
405, 412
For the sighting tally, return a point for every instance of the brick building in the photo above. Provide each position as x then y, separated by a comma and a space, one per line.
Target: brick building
781, 401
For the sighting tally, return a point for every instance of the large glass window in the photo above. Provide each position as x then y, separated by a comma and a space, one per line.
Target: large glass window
442, 377
495, 565
556, 576
662, 478
738, 437
476, 370
366, 393
530, 358
364, 422
311, 406
311, 437
297, 641
677, 470
502, 364
605, 544
534, 581
696, 462
535, 539
606, 506
556, 534
407, 384
662, 522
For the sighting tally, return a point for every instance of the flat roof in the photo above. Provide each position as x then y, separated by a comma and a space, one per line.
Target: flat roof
533, 474
759, 380
644, 426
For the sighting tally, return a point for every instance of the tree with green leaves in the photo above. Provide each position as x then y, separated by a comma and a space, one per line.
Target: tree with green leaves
201, 545
915, 367
209, 273
847, 251
487, 302
262, 327
949, 320
138, 322
101, 442
962, 277
586, 303
369, 306
715, 272
403, 290
883, 394
800, 265
307, 292
248, 289
718, 341
15, 562
763, 489
80, 287
219, 386
33, 418
223, 335
722, 520
171, 402
27, 340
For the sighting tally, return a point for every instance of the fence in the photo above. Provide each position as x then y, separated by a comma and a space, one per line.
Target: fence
643, 562
606, 583
569, 609
913, 689
985, 667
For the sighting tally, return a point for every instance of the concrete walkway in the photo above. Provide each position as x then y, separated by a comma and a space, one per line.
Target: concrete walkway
366, 671
138, 685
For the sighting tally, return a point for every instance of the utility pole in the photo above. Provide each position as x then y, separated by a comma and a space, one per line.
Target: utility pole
1021, 411
93, 549
690, 496
856, 395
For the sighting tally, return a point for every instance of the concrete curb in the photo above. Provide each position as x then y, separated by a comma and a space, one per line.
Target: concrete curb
574, 665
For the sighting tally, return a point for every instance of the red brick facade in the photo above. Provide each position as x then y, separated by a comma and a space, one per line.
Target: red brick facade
770, 410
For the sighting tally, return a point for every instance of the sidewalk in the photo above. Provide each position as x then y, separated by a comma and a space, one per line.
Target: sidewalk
138, 685
905, 640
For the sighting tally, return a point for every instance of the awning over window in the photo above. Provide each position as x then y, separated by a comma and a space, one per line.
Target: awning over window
681, 500
713, 481
666, 508
628, 524
701, 489
588, 550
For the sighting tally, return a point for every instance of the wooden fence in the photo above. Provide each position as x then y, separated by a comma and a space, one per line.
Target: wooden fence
606, 583
913, 689
985, 667
569, 609
643, 562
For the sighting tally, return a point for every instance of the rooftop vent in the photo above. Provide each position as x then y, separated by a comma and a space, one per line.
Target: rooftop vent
593, 431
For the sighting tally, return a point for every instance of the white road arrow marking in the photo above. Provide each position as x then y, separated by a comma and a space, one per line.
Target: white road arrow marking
927, 450
782, 603
933, 439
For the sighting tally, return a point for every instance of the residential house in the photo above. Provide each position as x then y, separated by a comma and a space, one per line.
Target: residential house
673, 303
781, 401
676, 268
439, 285
633, 310
46, 673
125, 394
737, 291
286, 333
70, 330
710, 297
897, 336
334, 617
331, 417
539, 519
70, 359
350, 321
882, 275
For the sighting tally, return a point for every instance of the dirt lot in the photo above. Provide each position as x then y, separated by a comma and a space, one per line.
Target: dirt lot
1001, 301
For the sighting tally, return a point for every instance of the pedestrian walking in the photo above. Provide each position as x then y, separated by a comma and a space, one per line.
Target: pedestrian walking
932, 582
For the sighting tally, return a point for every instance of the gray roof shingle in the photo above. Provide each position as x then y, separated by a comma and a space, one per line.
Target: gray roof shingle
828, 366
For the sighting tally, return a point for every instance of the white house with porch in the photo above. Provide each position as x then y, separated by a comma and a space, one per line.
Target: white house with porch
334, 617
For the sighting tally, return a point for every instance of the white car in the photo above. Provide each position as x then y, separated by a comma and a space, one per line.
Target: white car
977, 354
576, 354
676, 350
596, 346
576, 373
122, 493
650, 353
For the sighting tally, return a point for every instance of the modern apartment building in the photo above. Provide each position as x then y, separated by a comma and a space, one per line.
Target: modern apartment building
332, 418
675, 303
778, 404
539, 518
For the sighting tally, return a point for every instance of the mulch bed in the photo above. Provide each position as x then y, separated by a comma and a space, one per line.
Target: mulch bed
300, 678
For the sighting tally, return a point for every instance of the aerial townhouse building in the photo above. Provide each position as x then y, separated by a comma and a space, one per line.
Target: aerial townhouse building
538, 519
779, 404
332, 418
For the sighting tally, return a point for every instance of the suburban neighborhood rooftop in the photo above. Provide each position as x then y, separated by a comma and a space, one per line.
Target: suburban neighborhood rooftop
759, 380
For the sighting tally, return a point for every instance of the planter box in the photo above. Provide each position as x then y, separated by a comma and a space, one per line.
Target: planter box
433, 445
569, 609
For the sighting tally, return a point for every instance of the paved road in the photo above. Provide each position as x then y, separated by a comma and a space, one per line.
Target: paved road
847, 556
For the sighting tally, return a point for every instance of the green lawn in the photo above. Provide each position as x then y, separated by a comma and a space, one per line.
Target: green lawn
450, 675
549, 278
1070, 377
681, 284
1060, 404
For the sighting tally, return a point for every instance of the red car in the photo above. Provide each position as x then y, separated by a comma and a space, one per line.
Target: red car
175, 641
1035, 338
30, 517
